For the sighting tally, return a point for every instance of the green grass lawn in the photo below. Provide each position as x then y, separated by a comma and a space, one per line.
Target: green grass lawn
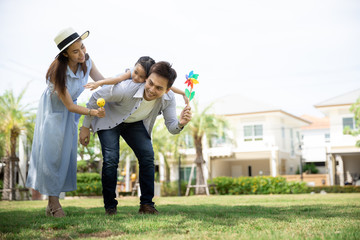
304, 216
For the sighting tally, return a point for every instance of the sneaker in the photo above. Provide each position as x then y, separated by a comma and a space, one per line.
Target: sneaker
147, 209
110, 211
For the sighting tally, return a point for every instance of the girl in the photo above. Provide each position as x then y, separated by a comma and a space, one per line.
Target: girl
139, 74
52, 168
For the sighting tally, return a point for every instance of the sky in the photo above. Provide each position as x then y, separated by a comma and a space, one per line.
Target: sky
288, 54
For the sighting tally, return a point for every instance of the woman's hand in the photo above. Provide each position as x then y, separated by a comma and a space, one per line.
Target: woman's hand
100, 112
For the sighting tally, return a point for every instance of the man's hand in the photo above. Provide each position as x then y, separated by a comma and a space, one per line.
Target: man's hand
84, 136
185, 116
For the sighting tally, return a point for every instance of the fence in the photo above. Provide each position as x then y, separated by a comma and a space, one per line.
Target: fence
311, 179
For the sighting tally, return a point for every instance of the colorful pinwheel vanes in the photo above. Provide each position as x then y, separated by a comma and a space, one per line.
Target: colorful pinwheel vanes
191, 79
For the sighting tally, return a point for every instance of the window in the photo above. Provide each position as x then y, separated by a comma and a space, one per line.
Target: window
253, 133
327, 137
249, 171
185, 174
349, 122
218, 141
189, 141
248, 133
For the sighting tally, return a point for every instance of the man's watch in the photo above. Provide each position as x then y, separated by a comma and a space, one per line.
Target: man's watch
180, 125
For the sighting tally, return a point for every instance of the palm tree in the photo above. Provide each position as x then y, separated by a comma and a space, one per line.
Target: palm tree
204, 123
166, 144
14, 117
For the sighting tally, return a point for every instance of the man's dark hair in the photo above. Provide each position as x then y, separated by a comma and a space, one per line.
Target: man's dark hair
165, 70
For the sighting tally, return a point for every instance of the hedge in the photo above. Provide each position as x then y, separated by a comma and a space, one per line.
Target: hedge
257, 185
335, 189
88, 184
272, 185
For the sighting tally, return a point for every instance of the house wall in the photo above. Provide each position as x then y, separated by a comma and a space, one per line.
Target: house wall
220, 168
310, 179
314, 145
336, 115
277, 129
233, 168
287, 164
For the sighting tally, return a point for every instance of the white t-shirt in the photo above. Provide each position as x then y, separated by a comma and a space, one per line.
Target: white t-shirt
142, 112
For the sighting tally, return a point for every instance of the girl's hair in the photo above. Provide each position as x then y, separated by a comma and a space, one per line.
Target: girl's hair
57, 71
146, 62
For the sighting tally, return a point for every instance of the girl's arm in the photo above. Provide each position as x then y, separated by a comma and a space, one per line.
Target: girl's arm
178, 91
72, 107
108, 81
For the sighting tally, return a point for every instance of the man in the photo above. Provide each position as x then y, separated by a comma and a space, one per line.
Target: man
131, 110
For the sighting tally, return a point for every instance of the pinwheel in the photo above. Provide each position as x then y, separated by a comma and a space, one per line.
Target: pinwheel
191, 79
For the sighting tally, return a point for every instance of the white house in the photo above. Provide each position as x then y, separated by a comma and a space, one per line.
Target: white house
316, 141
343, 157
266, 141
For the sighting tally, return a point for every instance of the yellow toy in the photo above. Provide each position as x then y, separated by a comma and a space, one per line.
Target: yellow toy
100, 102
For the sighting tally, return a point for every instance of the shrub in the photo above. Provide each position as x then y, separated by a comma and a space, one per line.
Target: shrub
88, 184
172, 188
310, 168
257, 185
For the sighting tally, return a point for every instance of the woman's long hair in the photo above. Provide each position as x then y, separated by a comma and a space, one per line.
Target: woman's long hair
57, 71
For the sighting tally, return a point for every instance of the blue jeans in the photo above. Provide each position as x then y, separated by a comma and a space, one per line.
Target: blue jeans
138, 139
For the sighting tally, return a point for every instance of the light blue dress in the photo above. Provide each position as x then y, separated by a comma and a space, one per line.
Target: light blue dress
53, 159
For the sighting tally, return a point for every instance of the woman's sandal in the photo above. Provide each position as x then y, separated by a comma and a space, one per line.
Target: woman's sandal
51, 213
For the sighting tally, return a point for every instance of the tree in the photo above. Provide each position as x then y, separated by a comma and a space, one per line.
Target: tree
166, 144
355, 108
204, 123
14, 117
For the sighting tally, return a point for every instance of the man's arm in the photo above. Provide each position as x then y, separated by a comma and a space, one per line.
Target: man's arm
110, 93
173, 124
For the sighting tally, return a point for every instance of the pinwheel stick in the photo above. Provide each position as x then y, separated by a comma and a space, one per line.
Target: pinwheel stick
189, 97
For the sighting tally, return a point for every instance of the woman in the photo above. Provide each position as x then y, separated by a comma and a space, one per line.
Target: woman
53, 159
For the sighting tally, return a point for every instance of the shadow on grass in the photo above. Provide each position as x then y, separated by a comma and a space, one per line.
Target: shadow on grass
88, 222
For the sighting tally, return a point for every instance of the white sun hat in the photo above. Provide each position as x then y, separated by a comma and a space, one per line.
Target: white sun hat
68, 36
